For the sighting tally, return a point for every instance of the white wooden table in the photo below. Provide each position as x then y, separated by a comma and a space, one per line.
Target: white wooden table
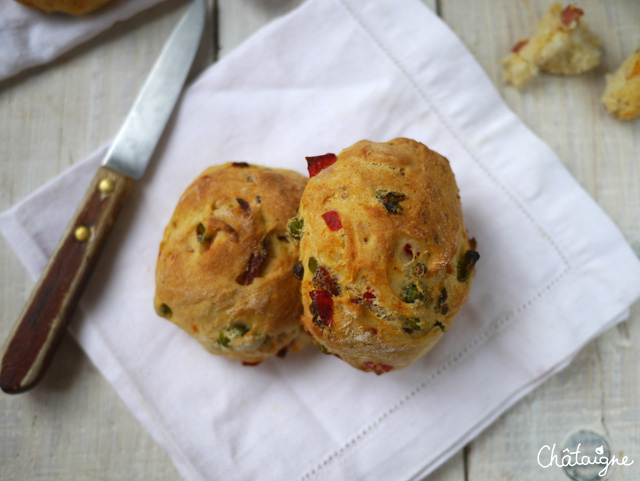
73, 426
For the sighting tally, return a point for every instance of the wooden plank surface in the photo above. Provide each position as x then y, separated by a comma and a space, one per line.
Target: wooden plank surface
75, 427
600, 390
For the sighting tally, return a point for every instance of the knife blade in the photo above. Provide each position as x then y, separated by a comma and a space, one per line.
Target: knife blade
38, 331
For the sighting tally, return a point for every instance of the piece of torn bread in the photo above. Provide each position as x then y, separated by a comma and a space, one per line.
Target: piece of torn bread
622, 94
561, 45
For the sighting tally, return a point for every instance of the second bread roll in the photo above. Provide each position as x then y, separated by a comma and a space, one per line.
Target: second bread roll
387, 262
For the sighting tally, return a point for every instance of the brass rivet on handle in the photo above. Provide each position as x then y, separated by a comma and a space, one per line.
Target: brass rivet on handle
82, 233
106, 185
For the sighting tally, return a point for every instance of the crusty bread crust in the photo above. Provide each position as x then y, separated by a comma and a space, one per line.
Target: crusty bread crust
393, 265
224, 271
73, 7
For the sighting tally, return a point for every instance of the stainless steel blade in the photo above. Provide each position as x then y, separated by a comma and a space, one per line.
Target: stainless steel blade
134, 144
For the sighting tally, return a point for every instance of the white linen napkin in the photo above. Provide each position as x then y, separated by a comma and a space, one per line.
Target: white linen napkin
554, 271
30, 37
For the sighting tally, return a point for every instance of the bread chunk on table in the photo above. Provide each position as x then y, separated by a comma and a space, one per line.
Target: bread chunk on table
622, 94
561, 45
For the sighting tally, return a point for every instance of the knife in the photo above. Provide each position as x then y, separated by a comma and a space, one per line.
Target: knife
39, 329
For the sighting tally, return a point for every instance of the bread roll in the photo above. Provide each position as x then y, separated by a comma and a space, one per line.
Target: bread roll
387, 262
73, 7
224, 271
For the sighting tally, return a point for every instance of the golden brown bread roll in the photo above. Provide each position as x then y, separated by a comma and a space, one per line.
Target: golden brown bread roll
387, 263
224, 271
73, 7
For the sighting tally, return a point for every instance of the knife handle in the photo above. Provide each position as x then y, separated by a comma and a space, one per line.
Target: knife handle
40, 327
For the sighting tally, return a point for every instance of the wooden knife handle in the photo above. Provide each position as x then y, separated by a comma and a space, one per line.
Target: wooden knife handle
38, 331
